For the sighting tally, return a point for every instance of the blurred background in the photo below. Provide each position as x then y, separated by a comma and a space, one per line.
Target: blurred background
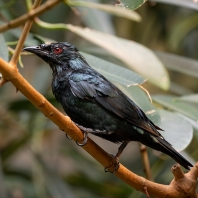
36, 159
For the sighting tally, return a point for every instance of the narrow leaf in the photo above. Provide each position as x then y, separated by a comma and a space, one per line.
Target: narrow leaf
193, 98
179, 63
179, 106
115, 10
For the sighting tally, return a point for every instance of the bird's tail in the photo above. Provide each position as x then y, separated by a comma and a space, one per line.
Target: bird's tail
160, 144
169, 150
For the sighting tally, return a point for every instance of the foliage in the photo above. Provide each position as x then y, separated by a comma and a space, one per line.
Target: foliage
36, 159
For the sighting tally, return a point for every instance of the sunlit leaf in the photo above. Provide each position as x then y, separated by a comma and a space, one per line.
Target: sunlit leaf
115, 10
134, 55
179, 106
132, 5
179, 63
176, 128
183, 3
114, 72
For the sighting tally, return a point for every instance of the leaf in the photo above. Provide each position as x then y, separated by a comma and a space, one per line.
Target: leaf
115, 10
179, 106
193, 98
132, 5
178, 131
179, 63
134, 55
114, 72
183, 3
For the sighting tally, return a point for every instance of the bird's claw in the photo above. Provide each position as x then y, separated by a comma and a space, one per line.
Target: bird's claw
67, 136
115, 163
84, 142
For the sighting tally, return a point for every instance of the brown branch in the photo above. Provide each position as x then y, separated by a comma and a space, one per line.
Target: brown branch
23, 36
30, 15
11, 74
147, 168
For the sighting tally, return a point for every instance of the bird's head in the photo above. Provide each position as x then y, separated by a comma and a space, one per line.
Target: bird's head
55, 54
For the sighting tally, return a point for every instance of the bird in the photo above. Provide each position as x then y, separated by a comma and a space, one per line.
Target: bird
97, 106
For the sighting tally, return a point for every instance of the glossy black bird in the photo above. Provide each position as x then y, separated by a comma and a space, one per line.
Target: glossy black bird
97, 106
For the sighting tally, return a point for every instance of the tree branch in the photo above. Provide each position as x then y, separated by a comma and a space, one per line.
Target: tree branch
145, 160
30, 15
23, 36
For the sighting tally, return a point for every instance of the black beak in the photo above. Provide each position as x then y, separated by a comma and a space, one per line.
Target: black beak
32, 49
37, 50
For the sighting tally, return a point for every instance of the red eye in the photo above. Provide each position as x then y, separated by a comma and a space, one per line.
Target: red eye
58, 50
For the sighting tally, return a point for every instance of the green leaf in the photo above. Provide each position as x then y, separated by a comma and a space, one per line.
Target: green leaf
131, 4
183, 3
136, 56
179, 106
114, 72
179, 63
193, 98
176, 128
115, 10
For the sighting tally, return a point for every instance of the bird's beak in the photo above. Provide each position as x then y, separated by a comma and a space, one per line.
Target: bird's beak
36, 50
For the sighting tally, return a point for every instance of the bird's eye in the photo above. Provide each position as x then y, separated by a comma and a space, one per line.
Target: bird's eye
58, 50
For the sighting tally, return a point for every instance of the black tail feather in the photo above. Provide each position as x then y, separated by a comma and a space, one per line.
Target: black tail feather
169, 150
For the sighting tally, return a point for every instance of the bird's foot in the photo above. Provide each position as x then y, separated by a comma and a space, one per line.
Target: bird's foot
115, 164
67, 136
85, 139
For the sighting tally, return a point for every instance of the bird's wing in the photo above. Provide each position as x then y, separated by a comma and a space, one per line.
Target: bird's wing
94, 87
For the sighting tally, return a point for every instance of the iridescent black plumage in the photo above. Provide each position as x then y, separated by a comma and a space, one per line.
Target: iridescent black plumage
96, 105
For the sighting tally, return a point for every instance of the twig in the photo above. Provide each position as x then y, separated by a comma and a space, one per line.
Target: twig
23, 36
145, 160
30, 15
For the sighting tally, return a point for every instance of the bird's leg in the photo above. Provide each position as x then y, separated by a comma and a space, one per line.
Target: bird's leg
115, 162
85, 139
